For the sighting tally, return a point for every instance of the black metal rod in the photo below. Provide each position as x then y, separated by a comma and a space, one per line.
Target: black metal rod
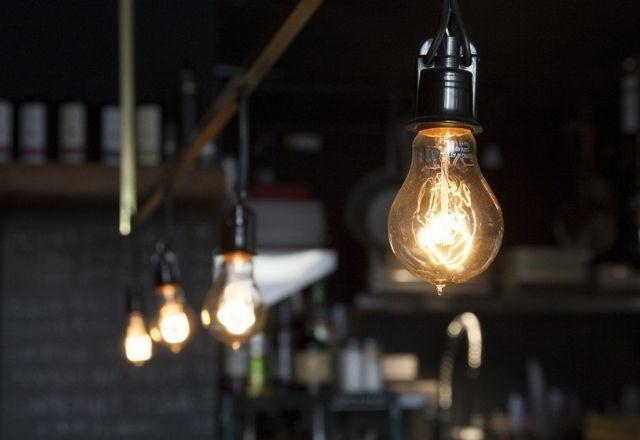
133, 296
169, 217
243, 140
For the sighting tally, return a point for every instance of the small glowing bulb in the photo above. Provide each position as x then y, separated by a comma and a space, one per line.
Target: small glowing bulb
445, 224
137, 342
205, 318
236, 315
173, 323
234, 308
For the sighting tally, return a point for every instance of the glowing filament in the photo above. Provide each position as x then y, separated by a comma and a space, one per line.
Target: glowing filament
236, 312
447, 226
173, 323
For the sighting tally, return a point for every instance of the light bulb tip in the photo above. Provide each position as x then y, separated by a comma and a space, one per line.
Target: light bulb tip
440, 289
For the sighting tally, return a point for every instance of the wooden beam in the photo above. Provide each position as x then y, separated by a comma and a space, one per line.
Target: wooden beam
96, 184
225, 106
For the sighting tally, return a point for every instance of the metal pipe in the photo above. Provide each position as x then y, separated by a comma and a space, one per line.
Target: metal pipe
466, 323
127, 116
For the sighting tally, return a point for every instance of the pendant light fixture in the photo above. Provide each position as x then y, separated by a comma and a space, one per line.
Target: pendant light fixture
445, 224
173, 323
137, 344
234, 309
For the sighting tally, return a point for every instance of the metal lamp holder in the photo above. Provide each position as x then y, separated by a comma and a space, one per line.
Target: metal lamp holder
446, 76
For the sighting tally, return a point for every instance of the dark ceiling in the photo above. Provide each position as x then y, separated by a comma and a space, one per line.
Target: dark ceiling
528, 49
531, 51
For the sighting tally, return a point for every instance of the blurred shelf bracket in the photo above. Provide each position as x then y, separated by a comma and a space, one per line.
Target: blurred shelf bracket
225, 106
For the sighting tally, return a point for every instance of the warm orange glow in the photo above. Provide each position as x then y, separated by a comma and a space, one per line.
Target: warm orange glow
172, 324
448, 224
137, 343
445, 224
167, 290
234, 308
233, 257
445, 132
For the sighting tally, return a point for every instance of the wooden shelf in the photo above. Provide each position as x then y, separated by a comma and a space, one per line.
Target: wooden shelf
552, 301
53, 183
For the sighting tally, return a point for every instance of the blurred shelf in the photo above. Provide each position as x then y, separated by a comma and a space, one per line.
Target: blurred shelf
544, 301
27, 185
332, 401
235, 408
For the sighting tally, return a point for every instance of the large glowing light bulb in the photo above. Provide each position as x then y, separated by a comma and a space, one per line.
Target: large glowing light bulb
234, 309
138, 347
173, 324
445, 224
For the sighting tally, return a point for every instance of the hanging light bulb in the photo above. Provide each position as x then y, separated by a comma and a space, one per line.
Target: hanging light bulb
445, 224
234, 308
138, 347
174, 319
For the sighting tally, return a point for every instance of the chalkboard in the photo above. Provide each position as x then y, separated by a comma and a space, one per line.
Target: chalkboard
63, 372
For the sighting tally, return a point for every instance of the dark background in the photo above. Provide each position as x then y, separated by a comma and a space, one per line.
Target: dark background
542, 64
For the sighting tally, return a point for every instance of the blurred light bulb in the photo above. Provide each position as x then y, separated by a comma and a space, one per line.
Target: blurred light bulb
234, 309
236, 314
173, 324
138, 347
445, 224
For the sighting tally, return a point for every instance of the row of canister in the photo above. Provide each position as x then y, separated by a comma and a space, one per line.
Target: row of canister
32, 135
358, 365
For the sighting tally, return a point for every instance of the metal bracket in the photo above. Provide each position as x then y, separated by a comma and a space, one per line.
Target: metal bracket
473, 68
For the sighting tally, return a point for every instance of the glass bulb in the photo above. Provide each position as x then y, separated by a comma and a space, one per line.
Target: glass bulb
138, 347
445, 224
173, 323
234, 309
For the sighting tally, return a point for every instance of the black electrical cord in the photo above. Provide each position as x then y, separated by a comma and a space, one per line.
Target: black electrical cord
243, 140
446, 26
441, 32
133, 297
238, 220
462, 35
169, 217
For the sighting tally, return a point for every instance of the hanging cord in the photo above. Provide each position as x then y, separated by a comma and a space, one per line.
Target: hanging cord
243, 140
447, 27
133, 297
169, 218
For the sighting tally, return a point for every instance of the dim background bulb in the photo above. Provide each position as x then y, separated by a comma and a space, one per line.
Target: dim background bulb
174, 322
137, 342
445, 224
234, 309
236, 312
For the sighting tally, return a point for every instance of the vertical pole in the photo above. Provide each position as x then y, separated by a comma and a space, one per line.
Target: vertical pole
127, 116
